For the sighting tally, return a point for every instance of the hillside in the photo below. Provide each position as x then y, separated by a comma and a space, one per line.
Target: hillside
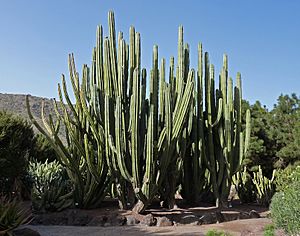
16, 104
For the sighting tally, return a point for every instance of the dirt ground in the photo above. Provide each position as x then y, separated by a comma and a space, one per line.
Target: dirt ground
253, 227
244, 227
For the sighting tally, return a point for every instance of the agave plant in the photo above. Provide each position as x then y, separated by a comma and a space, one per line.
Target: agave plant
12, 215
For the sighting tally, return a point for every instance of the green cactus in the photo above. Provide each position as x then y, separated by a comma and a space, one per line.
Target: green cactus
82, 152
51, 190
117, 134
217, 141
265, 188
243, 183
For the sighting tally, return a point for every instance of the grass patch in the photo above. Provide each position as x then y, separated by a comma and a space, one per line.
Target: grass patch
214, 232
269, 230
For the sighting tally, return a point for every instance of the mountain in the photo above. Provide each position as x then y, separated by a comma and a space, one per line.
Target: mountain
16, 104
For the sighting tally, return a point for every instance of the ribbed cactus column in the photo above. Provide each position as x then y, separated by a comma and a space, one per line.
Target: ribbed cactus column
225, 144
142, 133
82, 153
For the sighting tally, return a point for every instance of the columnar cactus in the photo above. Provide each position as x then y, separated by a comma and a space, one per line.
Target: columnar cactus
217, 142
225, 143
82, 152
115, 133
265, 188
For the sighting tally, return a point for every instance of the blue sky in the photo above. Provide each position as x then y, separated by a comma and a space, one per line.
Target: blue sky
262, 39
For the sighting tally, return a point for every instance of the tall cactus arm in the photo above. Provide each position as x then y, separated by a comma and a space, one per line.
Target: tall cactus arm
134, 114
148, 178
248, 131
119, 135
183, 106
113, 51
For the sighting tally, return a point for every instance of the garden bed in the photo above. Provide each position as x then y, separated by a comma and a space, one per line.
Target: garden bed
110, 215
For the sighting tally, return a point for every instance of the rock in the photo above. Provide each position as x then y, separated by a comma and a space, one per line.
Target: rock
163, 221
209, 218
247, 233
130, 220
244, 215
189, 219
97, 221
219, 216
25, 232
254, 214
231, 216
78, 218
118, 221
149, 220
50, 219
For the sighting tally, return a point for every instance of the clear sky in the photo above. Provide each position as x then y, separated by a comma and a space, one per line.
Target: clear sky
262, 39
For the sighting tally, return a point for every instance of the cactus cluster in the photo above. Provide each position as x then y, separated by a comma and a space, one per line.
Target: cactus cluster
243, 183
265, 188
185, 132
50, 190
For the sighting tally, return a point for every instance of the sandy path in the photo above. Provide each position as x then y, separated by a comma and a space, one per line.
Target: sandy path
253, 227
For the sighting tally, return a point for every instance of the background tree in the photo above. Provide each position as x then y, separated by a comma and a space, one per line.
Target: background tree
16, 146
275, 134
285, 130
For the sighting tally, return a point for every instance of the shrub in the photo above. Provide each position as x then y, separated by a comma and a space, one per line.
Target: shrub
16, 142
43, 150
51, 190
286, 177
285, 208
12, 214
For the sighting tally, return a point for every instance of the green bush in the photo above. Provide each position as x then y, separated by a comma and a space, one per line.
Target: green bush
12, 214
16, 146
286, 177
51, 189
43, 150
285, 208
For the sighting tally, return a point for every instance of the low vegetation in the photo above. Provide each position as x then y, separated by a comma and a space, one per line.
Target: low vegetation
285, 207
12, 214
217, 233
269, 230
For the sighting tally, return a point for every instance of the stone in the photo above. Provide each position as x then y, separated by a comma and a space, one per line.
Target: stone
254, 214
247, 233
25, 232
164, 221
189, 220
50, 219
149, 220
231, 216
118, 220
77, 218
219, 216
244, 215
130, 220
209, 218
